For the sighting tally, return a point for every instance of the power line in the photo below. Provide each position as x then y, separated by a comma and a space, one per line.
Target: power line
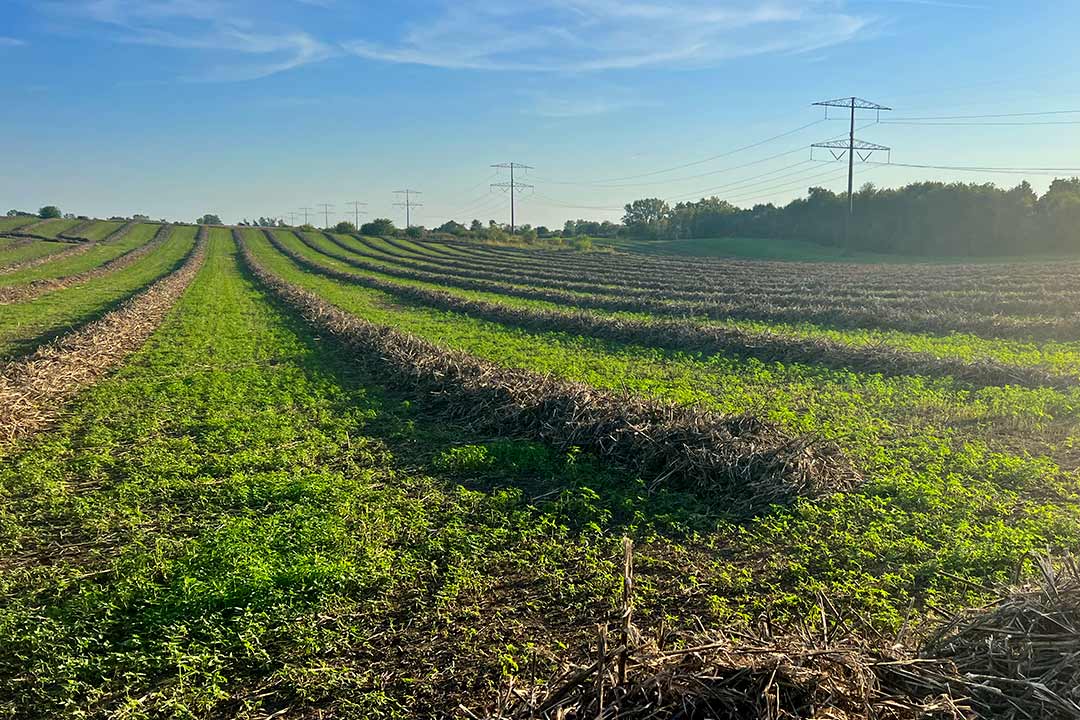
711, 158
864, 149
326, 213
408, 204
512, 187
305, 210
983, 117
978, 124
973, 168
356, 211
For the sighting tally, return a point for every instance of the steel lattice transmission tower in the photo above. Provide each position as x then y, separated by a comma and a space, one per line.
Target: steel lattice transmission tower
512, 187
850, 147
408, 204
357, 212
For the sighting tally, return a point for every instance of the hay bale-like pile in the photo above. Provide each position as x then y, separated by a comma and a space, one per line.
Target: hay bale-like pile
1018, 657
748, 463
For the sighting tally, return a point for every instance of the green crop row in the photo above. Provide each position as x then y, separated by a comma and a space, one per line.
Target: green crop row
25, 325
949, 483
92, 258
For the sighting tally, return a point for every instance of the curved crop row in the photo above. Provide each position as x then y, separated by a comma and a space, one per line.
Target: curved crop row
745, 290
33, 388
693, 337
75, 249
75, 234
845, 318
1060, 275
37, 288
747, 461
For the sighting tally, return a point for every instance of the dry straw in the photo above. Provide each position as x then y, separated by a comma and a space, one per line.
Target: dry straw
37, 288
746, 461
33, 388
1016, 658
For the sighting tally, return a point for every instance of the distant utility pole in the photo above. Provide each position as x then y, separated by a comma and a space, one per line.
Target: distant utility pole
305, 210
292, 219
356, 211
326, 213
851, 147
512, 187
408, 204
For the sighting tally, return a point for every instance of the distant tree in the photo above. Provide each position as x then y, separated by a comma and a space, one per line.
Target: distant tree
69, 216
378, 226
569, 229
476, 227
416, 231
453, 228
542, 231
209, 219
49, 212
307, 227
528, 234
138, 216
645, 218
345, 227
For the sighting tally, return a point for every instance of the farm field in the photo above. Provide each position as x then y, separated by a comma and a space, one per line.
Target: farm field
342, 476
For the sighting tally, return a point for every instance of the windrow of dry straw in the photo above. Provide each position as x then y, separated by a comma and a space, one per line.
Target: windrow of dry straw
75, 234
75, 249
693, 337
1018, 658
990, 297
1054, 276
37, 288
743, 461
741, 290
33, 388
930, 319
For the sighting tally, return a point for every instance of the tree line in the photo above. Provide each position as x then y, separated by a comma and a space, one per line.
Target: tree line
923, 218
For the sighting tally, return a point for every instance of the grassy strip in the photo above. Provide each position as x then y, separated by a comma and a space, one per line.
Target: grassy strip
33, 388
96, 254
746, 461
939, 497
1053, 358
24, 326
222, 530
48, 229
837, 318
745, 290
695, 338
102, 229
15, 222
22, 250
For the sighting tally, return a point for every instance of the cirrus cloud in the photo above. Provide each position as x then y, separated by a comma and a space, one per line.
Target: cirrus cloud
593, 35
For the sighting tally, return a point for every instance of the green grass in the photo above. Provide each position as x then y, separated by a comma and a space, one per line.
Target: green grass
18, 252
92, 258
23, 326
16, 222
1055, 356
101, 229
794, 250
252, 525
950, 484
240, 523
53, 228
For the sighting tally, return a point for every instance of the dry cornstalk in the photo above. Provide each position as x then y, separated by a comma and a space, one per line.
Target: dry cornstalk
33, 388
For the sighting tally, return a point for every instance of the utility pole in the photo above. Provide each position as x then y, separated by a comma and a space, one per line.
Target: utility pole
356, 211
851, 147
305, 210
408, 204
292, 219
512, 187
326, 214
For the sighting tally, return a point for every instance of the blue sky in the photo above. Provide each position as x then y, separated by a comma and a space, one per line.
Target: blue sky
259, 107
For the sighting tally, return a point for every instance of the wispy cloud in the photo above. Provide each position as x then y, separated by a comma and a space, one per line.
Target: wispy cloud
11, 42
218, 27
589, 35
